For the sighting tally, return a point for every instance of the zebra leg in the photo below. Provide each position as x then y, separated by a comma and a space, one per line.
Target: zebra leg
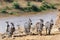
10, 34
26, 31
29, 29
40, 32
37, 30
49, 32
46, 31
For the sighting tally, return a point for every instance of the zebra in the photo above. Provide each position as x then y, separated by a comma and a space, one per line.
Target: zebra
12, 30
48, 26
27, 26
39, 26
7, 30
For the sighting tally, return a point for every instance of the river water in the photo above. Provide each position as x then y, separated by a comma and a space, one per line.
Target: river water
22, 19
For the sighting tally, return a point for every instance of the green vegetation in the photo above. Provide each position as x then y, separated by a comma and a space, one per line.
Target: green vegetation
11, 13
29, 7
8, 8
53, 6
44, 6
28, 3
48, 5
35, 8
36, 0
40, 0
3, 11
16, 5
9, 0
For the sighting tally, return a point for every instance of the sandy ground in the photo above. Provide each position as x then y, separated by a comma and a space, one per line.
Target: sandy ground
55, 35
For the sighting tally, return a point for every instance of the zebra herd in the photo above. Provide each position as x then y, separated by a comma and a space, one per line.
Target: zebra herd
39, 26
27, 26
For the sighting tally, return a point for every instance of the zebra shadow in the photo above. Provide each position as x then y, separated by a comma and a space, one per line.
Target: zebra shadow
19, 35
52, 34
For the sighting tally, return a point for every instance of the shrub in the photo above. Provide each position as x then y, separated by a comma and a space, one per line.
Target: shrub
52, 6
9, 8
9, 0
22, 9
11, 13
40, 0
28, 3
28, 9
48, 5
42, 8
16, 5
35, 0
3, 11
35, 8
